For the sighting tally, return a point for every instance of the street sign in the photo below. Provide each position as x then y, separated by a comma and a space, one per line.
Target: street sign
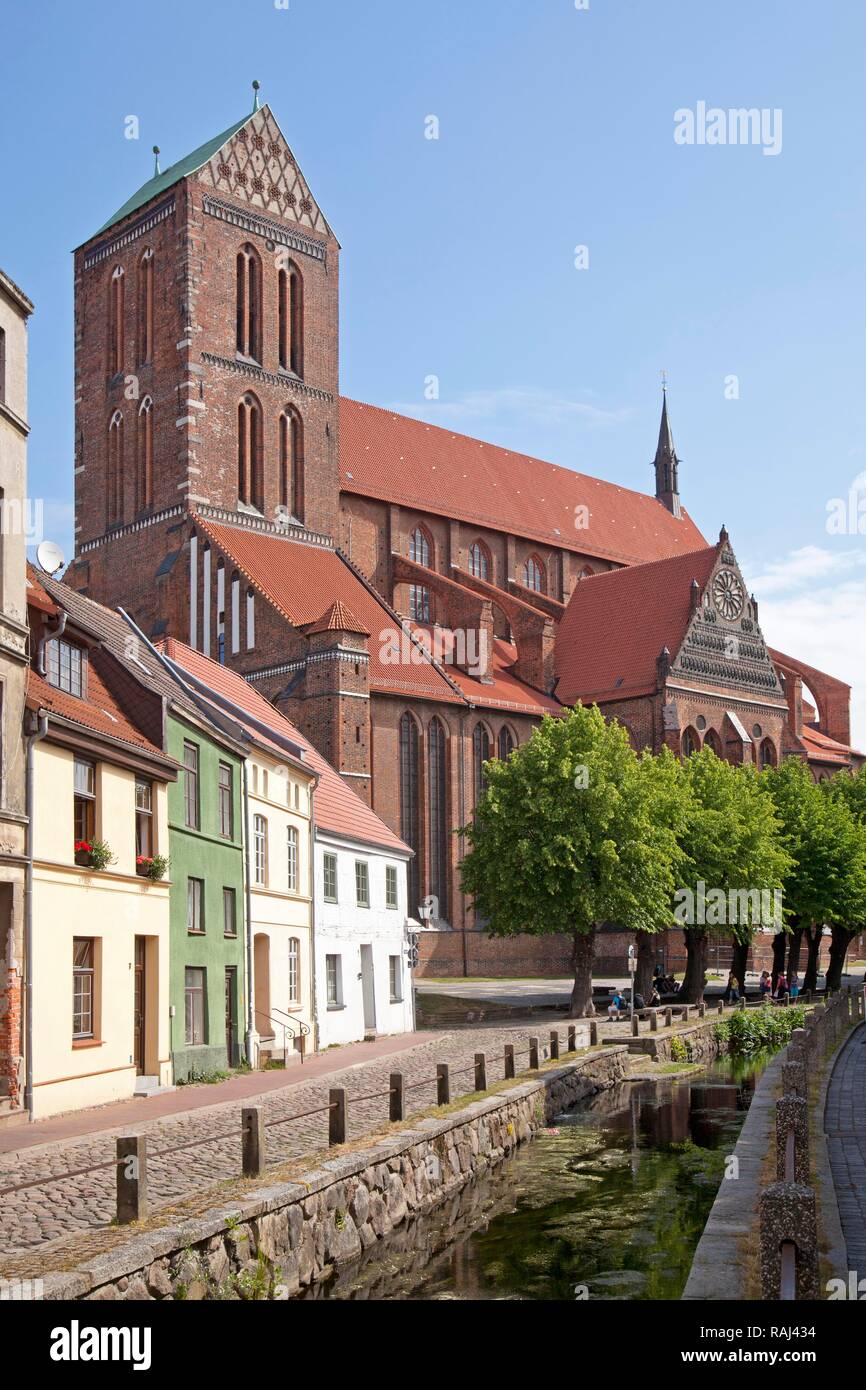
632, 965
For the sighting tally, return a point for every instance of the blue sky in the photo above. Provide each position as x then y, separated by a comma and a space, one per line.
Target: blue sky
556, 129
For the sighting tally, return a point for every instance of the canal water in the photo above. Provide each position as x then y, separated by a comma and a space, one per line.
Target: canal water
608, 1204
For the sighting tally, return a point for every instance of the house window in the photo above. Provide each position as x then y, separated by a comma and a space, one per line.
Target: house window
260, 851
143, 818
230, 912
395, 978
419, 547
65, 667
85, 800
290, 300
391, 885
226, 801
533, 574
330, 875
292, 463
249, 299
480, 755
82, 987
195, 906
419, 603
250, 452
479, 561
294, 969
505, 743
292, 856
333, 982
438, 814
194, 986
409, 808
362, 883
190, 786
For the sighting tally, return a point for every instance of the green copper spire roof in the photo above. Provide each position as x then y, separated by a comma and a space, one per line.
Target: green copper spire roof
160, 182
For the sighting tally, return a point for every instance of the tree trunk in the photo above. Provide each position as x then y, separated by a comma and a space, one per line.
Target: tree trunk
813, 939
794, 950
692, 987
838, 951
582, 959
780, 941
739, 961
646, 959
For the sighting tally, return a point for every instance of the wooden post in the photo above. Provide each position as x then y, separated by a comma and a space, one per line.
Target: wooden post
337, 1116
635, 1026
572, 1038
131, 1178
554, 1045
443, 1083
533, 1054
654, 1020
721, 1006
509, 1061
593, 1033
702, 1010
253, 1141
669, 1016
395, 1108
480, 1071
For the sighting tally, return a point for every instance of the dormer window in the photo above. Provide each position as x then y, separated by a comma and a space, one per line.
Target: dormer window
65, 667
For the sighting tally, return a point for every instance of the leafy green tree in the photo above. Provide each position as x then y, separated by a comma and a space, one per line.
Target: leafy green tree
847, 793
669, 797
564, 839
732, 842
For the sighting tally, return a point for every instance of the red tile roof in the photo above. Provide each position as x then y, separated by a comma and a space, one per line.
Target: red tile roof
825, 749
36, 594
337, 618
298, 578
504, 690
100, 713
397, 459
617, 624
337, 808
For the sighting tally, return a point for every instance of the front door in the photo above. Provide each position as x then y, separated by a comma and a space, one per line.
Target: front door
139, 1006
368, 989
230, 1014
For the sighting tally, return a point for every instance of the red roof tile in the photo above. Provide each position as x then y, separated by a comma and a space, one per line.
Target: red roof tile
36, 594
337, 808
617, 624
826, 749
417, 465
337, 618
100, 712
299, 578
503, 690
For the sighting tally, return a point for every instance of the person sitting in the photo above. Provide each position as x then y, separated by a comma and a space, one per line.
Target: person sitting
765, 984
655, 998
615, 1007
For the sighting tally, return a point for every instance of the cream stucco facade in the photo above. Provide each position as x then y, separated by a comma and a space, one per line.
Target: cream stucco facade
125, 920
281, 895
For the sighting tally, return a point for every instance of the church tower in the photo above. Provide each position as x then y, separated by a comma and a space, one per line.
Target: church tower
667, 464
206, 362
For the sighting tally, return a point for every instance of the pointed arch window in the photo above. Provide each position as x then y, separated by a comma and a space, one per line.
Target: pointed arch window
250, 483
290, 301
144, 462
767, 754
144, 334
115, 321
292, 462
419, 547
479, 560
438, 813
533, 574
505, 743
409, 809
480, 755
114, 476
690, 743
249, 303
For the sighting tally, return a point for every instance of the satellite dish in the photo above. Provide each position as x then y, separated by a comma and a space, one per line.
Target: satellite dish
49, 557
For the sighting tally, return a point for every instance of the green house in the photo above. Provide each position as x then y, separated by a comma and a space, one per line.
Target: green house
207, 982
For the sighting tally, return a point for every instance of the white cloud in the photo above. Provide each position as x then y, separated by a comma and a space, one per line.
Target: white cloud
511, 405
813, 606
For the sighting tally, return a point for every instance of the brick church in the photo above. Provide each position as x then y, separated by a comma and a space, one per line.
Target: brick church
413, 600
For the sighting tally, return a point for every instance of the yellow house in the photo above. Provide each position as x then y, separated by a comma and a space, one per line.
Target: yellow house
99, 927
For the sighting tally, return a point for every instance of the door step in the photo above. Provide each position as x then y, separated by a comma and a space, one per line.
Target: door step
146, 1086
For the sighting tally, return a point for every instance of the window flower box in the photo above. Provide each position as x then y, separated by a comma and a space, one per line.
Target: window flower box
152, 866
93, 854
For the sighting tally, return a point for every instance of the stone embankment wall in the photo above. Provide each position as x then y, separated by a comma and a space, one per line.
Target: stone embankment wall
276, 1240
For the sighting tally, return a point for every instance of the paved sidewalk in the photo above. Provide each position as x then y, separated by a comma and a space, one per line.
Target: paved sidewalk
41, 1214
845, 1126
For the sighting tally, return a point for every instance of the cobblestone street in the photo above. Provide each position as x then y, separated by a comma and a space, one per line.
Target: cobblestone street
845, 1125
48, 1212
